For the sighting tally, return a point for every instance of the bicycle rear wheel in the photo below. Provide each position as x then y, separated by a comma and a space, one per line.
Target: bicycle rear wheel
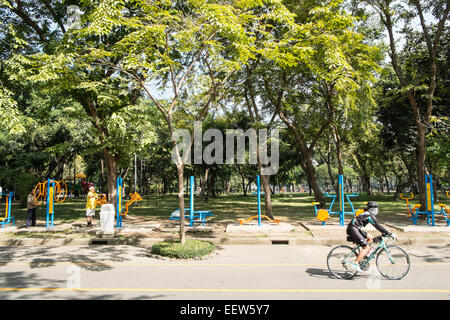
336, 260
393, 264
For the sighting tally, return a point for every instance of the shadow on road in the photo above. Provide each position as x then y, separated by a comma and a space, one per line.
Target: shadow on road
319, 273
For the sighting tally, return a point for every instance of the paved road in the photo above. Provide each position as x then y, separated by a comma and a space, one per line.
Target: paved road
255, 272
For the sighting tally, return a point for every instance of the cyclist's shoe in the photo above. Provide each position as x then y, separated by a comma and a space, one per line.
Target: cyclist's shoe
353, 266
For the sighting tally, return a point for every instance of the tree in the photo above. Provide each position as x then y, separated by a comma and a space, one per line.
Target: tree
419, 87
56, 60
189, 47
333, 67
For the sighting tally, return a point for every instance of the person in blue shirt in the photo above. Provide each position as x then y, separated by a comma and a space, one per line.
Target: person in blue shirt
361, 237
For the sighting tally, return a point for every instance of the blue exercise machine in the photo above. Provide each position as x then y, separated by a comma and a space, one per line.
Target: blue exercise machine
7, 218
323, 215
50, 203
259, 216
119, 202
430, 212
194, 216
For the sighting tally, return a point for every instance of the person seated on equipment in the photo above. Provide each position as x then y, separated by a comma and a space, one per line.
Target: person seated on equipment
361, 237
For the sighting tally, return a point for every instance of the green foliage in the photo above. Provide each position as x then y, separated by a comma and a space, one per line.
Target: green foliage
24, 182
10, 118
67, 94
191, 249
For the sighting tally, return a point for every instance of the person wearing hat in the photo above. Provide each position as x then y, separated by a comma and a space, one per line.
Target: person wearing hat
360, 236
31, 208
90, 205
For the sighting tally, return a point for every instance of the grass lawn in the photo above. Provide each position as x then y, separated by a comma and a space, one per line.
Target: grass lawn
288, 207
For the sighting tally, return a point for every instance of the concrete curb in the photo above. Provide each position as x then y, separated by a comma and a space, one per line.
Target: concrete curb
216, 241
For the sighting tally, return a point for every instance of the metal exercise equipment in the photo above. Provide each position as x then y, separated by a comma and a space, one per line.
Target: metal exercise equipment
323, 214
7, 218
414, 212
134, 197
50, 191
259, 216
194, 216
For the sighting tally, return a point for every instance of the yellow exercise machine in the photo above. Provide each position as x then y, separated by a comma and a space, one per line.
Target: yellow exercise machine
259, 216
134, 197
50, 191
445, 211
429, 211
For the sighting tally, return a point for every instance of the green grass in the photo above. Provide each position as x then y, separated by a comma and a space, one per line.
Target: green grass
227, 208
191, 249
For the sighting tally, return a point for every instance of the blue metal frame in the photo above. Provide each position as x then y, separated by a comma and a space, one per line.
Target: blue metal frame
119, 202
429, 200
342, 196
258, 191
414, 215
50, 217
429, 211
193, 215
446, 215
8, 218
430, 181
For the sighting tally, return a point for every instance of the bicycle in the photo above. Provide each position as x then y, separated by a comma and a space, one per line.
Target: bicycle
392, 261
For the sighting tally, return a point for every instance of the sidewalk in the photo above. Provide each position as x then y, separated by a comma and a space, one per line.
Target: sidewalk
146, 233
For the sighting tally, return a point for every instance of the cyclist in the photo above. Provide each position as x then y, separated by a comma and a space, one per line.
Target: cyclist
360, 236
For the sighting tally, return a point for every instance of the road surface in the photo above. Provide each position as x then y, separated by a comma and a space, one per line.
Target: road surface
251, 272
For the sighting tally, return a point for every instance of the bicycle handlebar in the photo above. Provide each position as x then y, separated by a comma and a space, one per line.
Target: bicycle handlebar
380, 237
393, 239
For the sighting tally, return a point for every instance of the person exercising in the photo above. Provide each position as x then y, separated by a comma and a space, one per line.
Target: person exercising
360, 236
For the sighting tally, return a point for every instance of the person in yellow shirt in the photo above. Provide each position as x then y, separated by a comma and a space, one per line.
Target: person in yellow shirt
90, 205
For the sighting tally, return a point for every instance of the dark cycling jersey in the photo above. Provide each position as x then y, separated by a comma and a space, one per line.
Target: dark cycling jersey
367, 217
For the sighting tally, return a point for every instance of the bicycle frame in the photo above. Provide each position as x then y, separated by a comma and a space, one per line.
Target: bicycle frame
381, 245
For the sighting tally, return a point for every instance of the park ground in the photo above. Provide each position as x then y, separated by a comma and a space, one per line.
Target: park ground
150, 219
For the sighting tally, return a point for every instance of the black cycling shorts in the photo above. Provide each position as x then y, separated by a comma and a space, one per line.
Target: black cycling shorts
359, 236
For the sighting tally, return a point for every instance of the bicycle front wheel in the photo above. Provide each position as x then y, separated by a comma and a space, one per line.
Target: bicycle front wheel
393, 263
337, 259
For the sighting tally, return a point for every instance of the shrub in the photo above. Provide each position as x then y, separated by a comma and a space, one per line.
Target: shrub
24, 183
191, 249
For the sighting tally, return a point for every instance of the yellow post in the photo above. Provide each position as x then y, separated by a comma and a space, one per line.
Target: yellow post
428, 197
50, 199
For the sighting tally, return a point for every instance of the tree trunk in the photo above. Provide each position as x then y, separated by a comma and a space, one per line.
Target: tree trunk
203, 186
305, 159
349, 182
327, 161
111, 176
366, 184
267, 196
228, 186
212, 184
311, 173
241, 174
180, 169
421, 152
387, 184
